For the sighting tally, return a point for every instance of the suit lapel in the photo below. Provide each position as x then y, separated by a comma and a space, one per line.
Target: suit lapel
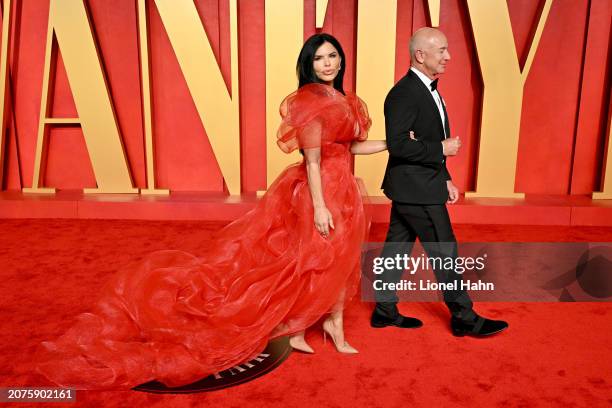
429, 97
446, 122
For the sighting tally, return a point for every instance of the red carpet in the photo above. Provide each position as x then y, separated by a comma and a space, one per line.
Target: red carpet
553, 354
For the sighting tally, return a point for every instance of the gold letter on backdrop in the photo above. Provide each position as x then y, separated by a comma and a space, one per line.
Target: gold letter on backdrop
218, 108
606, 194
434, 12
284, 38
375, 59
321, 6
6, 39
503, 94
68, 20
143, 43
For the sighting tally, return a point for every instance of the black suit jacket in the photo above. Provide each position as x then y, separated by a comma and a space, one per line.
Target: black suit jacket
416, 171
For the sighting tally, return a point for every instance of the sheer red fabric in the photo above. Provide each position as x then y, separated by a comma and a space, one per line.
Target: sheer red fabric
177, 317
318, 115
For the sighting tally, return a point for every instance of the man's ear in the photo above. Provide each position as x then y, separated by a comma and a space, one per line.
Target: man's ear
418, 55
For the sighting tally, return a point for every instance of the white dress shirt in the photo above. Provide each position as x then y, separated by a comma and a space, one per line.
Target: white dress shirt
436, 96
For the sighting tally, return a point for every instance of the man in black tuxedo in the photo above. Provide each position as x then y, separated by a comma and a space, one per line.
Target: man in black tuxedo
419, 185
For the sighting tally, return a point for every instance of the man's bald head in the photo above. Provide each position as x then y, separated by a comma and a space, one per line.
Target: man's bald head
423, 38
429, 51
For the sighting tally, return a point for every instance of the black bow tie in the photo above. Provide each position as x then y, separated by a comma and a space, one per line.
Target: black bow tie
434, 85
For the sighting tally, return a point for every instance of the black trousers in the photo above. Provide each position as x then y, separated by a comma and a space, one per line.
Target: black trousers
431, 225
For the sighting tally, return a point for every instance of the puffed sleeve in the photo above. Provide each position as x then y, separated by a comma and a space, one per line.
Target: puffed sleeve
360, 111
309, 118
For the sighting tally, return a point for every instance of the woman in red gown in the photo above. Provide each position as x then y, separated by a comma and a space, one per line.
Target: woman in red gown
294, 258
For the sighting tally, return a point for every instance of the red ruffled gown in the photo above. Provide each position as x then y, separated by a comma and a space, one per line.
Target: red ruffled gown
178, 318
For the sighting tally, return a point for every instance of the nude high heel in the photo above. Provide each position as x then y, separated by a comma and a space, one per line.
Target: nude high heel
298, 343
342, 348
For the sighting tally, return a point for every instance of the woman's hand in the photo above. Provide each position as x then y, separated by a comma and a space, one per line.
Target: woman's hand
323, 221
412, 135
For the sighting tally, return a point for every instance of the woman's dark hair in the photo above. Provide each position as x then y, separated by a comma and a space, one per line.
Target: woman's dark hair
305, 71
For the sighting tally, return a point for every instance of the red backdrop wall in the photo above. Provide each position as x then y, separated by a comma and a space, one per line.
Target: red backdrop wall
563, 128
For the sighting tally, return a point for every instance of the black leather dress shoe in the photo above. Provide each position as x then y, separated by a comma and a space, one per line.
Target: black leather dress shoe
379, 321
479, 327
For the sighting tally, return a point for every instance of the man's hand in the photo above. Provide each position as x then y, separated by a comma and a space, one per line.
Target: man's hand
453, 192
450, 146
